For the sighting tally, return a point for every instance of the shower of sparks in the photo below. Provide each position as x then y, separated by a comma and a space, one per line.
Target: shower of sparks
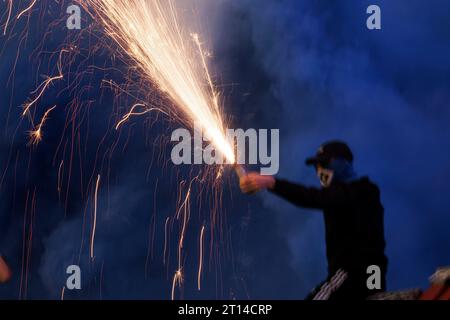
36, 135
149, 32
94, 224
200, 264
156, 43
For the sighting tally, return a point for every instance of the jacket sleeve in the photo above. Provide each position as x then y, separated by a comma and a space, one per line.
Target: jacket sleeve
309, 197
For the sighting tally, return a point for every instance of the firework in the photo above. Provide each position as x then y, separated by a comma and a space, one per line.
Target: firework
156, 45
149, 33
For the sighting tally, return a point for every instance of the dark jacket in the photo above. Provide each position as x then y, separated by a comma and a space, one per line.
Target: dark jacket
353, 221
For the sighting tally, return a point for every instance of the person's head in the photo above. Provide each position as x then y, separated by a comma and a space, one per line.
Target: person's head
333, 162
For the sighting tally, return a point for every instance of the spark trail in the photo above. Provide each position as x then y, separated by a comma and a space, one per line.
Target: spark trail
44, 85
94, 224
200, 263
132, 112
36, 135
27, 9
9, 16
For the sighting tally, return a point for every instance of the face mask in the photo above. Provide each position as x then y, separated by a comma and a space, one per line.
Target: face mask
342, 170
325, 176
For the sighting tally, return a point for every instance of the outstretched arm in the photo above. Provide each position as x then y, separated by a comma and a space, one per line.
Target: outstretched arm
297, 194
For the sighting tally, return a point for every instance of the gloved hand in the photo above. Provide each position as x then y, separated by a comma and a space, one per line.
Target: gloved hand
254, 182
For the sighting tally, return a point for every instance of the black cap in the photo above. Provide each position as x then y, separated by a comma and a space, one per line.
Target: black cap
330, 150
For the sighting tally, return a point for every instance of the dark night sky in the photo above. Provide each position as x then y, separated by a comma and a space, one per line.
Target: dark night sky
311, 69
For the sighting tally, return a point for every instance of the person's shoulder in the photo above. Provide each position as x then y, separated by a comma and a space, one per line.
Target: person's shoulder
361, 184
366, 183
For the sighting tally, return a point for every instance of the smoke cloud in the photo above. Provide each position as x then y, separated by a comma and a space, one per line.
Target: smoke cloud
312, 70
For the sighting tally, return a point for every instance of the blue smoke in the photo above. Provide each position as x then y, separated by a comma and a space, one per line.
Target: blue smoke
326, 76
309, 68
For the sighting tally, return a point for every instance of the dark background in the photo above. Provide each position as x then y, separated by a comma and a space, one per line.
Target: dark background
310, 68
